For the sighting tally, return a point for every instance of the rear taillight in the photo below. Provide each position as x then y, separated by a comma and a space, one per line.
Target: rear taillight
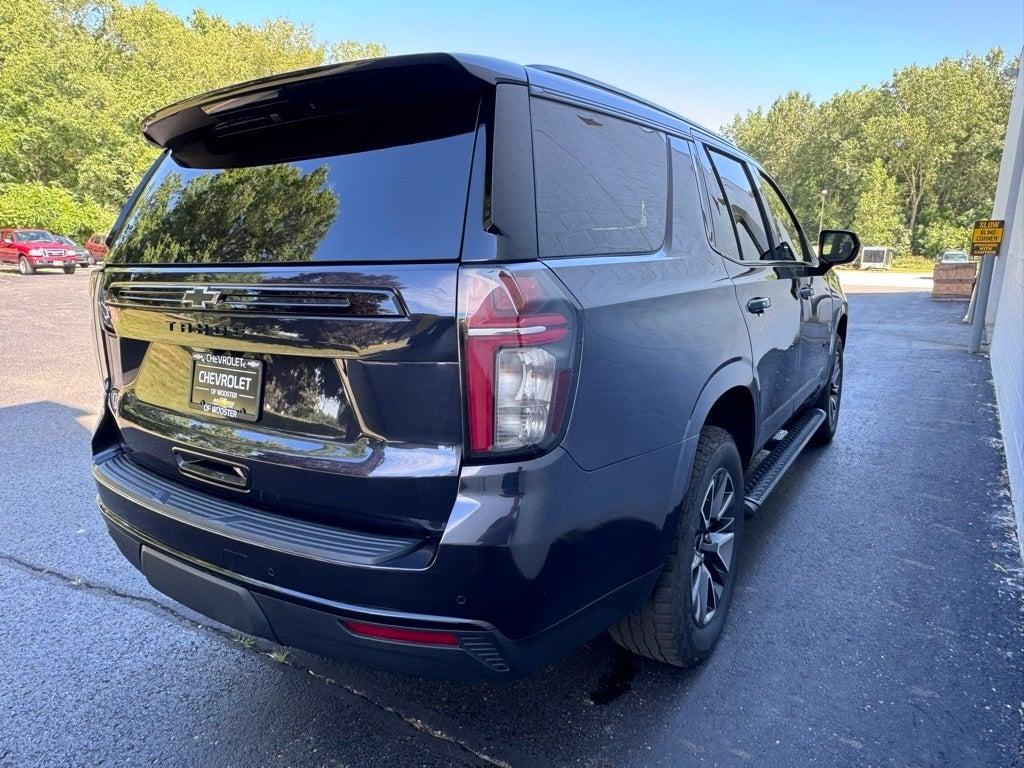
519, 353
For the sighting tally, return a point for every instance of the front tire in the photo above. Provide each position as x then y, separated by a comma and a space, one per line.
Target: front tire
831, 399
684, 616
26, 267
69, 270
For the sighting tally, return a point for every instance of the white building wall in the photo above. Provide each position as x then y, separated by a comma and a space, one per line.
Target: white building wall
1007, 303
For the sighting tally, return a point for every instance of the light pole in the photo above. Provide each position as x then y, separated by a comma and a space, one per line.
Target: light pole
821, 216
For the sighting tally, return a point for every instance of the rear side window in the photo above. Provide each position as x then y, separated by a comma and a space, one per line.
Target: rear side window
602, 183
742, 205
373, 186
689, 235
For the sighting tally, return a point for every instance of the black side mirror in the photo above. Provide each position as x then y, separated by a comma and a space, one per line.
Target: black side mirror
837, 246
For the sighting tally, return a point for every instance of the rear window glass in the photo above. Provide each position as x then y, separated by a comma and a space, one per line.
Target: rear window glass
602, 183
387, 186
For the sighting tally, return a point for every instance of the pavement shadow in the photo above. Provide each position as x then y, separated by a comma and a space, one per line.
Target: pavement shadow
588, 686
40, 437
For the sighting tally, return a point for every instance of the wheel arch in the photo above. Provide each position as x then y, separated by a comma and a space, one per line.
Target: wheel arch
841, 328
728, 400
734, 412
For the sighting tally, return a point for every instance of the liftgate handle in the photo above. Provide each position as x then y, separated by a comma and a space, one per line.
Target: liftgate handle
211, 470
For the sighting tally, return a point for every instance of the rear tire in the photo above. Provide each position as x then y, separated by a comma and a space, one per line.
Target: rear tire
25, 267
684, 616
830, 399
69, 270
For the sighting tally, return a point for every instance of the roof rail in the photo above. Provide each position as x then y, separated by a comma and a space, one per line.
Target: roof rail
568, 73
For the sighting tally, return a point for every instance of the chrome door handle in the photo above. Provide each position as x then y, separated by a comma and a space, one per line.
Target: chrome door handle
758, 305
806, 292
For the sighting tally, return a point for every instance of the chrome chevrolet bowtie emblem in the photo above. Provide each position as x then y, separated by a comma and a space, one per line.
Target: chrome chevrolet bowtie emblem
200, 298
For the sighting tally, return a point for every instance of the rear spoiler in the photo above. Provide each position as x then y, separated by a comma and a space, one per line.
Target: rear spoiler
323, 89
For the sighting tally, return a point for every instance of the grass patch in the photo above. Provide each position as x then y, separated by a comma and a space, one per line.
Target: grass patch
913, 264
901, 264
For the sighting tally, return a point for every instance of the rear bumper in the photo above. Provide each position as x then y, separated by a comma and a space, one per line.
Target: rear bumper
537, 558
303, 622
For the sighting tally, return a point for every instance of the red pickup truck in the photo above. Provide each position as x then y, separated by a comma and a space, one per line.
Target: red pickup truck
34, 248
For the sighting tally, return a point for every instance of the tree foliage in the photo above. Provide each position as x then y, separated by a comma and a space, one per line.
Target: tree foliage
934, 132
77, 77
237, 215
34, 204
877, 217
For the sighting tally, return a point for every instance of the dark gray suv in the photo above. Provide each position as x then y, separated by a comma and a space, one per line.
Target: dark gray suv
445, 365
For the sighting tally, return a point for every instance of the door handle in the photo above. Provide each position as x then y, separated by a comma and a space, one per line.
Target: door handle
758, 305
806, 291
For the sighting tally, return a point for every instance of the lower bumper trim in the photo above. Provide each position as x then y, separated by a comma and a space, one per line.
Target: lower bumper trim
477, 654
220, 600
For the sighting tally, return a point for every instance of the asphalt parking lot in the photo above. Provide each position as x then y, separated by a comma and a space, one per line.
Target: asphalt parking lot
879, 619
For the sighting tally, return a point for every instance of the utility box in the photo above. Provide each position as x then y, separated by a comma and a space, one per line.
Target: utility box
954, 281
875, 257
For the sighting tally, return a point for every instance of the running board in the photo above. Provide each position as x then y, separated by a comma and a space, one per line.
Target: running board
769, 471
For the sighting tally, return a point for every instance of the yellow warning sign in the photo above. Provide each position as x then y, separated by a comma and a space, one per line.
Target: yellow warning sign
987, 237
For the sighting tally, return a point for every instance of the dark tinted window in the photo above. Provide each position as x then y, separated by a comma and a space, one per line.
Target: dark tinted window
742, 206
788, 245
602, 183
383, 186
689, 236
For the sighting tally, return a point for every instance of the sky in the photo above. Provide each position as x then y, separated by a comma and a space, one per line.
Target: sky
707, 60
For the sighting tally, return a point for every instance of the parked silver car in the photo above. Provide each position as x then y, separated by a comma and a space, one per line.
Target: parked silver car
954, 257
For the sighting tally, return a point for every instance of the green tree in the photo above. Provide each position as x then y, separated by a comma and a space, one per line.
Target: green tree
877, 217
783, 133
937, 131
84, 73
926, 128
941, 235
836, 156
48, 206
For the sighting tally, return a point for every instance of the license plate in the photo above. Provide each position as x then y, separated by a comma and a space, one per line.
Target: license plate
227, 386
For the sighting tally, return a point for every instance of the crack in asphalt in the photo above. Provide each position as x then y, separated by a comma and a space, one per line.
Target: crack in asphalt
418, 725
